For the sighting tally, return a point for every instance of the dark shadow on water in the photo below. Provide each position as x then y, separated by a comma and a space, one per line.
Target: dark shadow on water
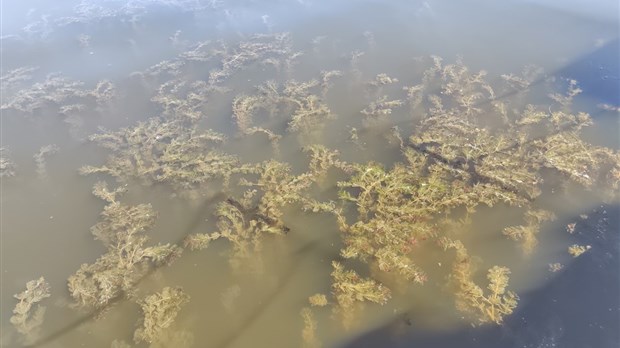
578, 308
598, 73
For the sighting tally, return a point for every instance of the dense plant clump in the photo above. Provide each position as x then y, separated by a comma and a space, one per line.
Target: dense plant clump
127, 259
159, 311
160, 151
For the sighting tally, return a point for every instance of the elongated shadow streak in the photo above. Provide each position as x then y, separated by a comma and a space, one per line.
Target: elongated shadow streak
265, 303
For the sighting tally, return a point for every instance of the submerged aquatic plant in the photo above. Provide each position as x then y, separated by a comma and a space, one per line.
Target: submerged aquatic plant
452, 159
308, 110
470, 298
127, 259
455, 159
318, 300
59, 91
160, 151
7, 167
40, 157
256, 49
380, 108
159, 312
527, 233
12, 80
184, 100
308, 334
350, 291
244, 222
28, 315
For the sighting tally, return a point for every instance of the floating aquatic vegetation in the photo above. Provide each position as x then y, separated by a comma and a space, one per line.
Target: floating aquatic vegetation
39, 158
159, 311
28, 315
7, 167
127, 259
160, 151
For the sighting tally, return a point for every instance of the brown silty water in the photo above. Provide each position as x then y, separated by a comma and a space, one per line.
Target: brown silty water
376, 92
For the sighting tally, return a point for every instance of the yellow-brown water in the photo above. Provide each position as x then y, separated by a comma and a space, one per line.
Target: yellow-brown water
46, 216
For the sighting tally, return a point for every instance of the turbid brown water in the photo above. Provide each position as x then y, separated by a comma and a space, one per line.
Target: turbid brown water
152, 53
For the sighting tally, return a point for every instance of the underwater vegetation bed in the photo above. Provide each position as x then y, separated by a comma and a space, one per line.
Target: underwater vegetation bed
272, 189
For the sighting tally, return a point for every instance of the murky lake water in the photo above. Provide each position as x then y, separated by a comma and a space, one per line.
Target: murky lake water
191, 65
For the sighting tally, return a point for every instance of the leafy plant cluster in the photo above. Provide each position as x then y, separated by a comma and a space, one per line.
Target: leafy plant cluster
122, 231
243, 222
165, 151
470, 298
159, 311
